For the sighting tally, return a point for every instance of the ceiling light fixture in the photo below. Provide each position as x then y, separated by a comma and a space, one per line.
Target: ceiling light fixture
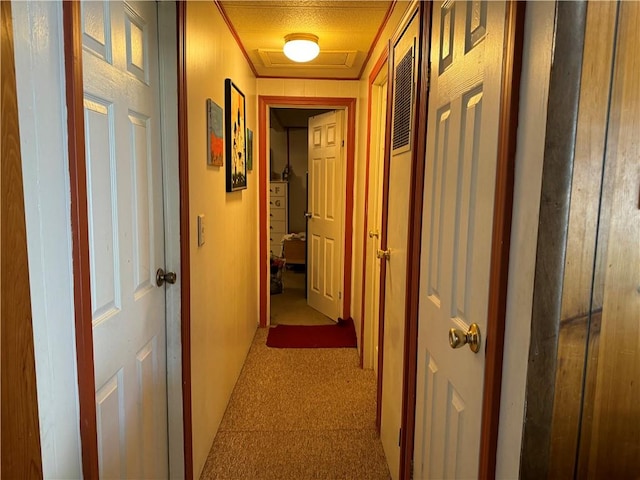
301, 47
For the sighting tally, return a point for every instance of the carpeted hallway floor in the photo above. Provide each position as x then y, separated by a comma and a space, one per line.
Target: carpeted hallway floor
299, 414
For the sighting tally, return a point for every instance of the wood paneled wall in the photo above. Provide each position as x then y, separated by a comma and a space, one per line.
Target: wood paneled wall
614, 443
593, 430
20, 429
577, 309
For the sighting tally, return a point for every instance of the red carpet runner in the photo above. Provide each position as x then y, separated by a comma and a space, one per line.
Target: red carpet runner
340, 335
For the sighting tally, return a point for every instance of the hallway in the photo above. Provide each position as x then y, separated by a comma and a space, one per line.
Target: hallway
299, 414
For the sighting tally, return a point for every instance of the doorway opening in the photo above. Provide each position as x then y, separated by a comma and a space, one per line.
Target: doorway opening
270, 165
288, 223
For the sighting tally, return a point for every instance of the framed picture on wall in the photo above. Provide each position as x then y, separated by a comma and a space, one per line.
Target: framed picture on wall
215, 150
235, 136
249, 149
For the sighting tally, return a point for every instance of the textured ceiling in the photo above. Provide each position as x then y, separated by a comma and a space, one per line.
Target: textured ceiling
346, 32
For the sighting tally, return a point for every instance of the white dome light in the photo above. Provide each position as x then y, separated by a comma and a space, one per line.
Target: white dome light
301, 47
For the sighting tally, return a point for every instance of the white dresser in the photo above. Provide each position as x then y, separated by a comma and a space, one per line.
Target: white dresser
278, 219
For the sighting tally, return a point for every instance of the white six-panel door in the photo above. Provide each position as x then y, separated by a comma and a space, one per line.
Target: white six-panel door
126, 235
326, 194
462, 133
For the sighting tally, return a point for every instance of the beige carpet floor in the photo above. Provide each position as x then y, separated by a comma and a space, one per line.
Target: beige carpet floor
299, 414
290, 307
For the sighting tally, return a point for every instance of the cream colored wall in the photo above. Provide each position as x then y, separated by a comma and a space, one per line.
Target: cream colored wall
360, 168
224, 295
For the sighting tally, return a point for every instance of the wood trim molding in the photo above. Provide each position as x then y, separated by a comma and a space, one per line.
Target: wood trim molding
80, 236
503, 207
414, 246
262, 209
185, 253
264, 102
236, 37
348, 207
377, 68
387, 16
21, 457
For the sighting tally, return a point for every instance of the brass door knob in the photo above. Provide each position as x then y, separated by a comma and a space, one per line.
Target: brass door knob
458, 338
383, 254
308, 214
374, 233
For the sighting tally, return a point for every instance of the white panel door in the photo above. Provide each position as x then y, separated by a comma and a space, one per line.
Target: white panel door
324, 225
126, 235
462, 133
374, 214
396, 232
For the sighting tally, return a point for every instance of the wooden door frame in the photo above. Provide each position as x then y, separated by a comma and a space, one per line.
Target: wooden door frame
185, 242
377, 68
72, 25
264, 103
72, 34
501, 236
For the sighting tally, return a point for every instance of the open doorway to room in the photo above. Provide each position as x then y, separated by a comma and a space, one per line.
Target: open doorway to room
272, 167
289, 201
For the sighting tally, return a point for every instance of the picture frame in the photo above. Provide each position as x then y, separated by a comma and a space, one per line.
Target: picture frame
249, 150
235, 137
215, 139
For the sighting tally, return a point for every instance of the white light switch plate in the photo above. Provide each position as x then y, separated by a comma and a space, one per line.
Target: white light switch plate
200, 230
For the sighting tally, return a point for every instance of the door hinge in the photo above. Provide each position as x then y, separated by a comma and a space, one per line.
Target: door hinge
429, 76
411, 470
339, 295
399, 436
342, 143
